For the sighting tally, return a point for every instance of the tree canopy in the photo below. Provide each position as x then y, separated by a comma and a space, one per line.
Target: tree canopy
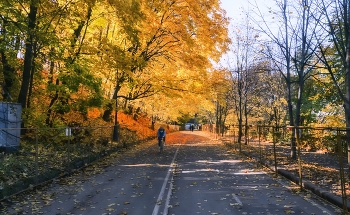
64, 57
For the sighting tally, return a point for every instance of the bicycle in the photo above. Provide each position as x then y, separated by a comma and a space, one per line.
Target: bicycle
161, 145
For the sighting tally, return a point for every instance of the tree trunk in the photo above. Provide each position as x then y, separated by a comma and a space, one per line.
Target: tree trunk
217, 118
28, 58
240, 125
293, 153
246, 130
8, 72
347, 72
347, 115
30, 91
49, 121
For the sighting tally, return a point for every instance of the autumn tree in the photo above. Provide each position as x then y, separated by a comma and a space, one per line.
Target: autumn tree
335, 55
242, 61
220, 89
292, 49
67, 57
51, 37
171, 39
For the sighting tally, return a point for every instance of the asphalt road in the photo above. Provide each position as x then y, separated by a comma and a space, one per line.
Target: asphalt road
194, 175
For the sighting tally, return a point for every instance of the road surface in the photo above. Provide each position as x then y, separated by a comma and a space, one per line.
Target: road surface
195, 174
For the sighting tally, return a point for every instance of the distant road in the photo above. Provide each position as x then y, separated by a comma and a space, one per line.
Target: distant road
195, 175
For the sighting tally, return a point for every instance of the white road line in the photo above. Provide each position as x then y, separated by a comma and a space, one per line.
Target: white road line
239, 203
166, 207
166, 179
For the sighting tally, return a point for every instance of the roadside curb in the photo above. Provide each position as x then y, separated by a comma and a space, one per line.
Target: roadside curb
330, 197
326, 195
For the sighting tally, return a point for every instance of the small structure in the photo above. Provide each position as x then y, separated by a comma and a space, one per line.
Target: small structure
10, 126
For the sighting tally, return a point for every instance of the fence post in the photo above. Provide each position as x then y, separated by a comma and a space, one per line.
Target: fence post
69, 136
297, 133
260, 151
111, 136
341, 171
274, 130
234, 140
248, 130
36, 157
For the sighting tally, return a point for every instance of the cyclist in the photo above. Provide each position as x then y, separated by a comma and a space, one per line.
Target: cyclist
161, 135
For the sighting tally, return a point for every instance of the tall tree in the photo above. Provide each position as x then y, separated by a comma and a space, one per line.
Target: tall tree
172, 37
294, 51
68, 51
337, 25
29, 53
244, 57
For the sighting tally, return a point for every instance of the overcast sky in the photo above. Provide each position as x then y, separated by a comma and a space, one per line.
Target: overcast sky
235, 9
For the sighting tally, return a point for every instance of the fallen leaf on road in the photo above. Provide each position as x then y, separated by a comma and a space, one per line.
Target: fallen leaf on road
110, 209
289, 212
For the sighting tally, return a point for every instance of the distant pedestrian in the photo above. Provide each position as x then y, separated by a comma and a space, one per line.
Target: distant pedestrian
192, 127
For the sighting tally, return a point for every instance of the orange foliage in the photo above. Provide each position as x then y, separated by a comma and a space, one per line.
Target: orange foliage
93, 113
141, 126
185, 138
73, 117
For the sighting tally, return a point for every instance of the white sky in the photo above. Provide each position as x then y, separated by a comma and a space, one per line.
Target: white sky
234, 7
236, 10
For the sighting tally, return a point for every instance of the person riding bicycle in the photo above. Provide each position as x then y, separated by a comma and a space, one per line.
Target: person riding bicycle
161, 135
